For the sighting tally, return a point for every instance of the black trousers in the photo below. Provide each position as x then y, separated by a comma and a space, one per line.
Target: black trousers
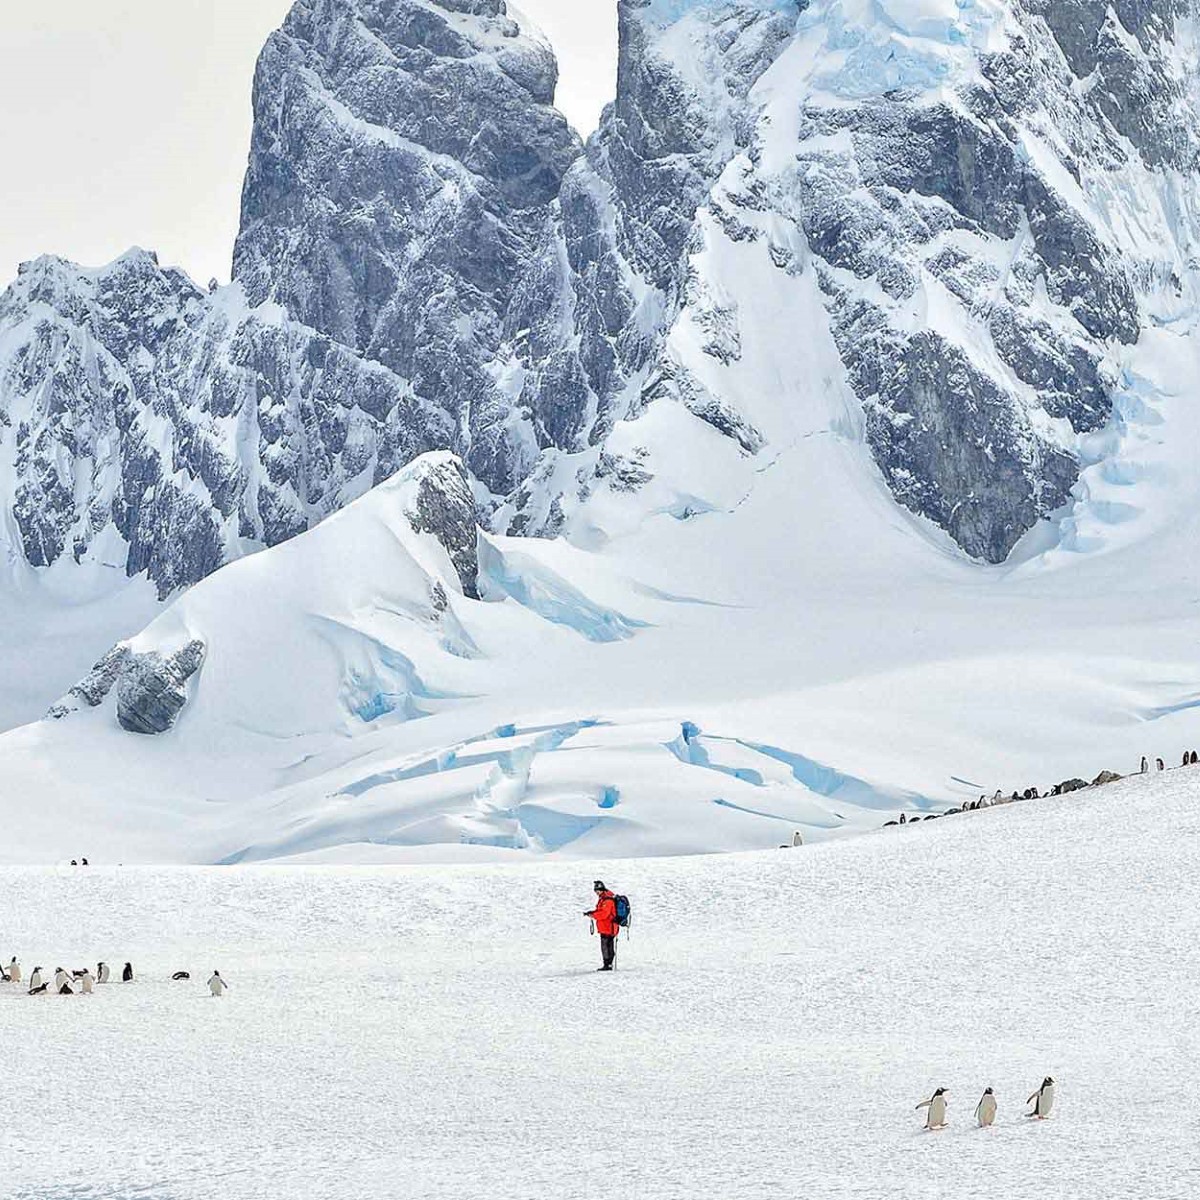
608, 948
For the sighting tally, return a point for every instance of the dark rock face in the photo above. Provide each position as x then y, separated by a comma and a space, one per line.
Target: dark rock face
960, 442
151, 689
403, 175
96, 685
184, 422
445, 507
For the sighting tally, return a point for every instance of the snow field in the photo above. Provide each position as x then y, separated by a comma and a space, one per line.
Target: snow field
775, 1018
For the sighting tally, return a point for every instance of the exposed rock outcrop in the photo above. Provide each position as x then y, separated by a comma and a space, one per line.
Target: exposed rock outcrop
444, 507
150, 689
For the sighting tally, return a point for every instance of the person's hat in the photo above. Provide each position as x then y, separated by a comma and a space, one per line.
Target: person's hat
598, 886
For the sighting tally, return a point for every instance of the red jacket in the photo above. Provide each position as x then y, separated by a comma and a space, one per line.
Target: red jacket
605, 915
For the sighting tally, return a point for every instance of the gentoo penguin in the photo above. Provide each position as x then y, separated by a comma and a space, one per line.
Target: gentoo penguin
985, 1110
181, 975
1159, 763
1145, 765
13, 971
86, 981
216, 984
936, 1117
1042, 1100
103, 974
35, 980
127, 974
62, 982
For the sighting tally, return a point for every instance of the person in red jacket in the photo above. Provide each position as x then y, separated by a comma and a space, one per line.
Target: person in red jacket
605, 917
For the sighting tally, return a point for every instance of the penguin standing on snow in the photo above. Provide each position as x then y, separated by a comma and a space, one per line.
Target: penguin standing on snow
1042, 1100
13, 971
103, 974
216, 984
86, 980
936, 1117
62, 982
127, 974
35, 981
985, 1110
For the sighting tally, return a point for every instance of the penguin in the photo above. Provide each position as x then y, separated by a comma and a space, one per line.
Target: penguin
181, 975
103, 974
936, 1117
35, 980
1145, 765
903, 819
216, 984
40, 990
1195, 761
127, 974
85, 982
62, 982
1042, 1100
13, 971
985, 1110
1159, 764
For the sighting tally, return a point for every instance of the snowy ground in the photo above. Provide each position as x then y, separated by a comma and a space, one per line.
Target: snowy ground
421, 1032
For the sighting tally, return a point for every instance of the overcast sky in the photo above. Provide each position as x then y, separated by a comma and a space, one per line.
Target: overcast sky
127, 122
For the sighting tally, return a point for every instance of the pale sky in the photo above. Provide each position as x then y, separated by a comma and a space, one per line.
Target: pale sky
127, 122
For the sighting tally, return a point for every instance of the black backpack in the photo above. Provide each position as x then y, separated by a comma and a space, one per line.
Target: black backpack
622, 911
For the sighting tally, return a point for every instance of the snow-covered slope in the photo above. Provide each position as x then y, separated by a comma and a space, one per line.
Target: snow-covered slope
774, 1017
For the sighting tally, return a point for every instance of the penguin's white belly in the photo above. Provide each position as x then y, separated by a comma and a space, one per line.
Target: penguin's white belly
937, 1112
1045, 1102
987, 1110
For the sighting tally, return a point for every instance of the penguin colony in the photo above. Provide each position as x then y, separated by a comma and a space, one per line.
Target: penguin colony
1190, 759
83, 981
1042, 1100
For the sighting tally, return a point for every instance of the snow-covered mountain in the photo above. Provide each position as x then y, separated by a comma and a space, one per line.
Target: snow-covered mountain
841, 304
